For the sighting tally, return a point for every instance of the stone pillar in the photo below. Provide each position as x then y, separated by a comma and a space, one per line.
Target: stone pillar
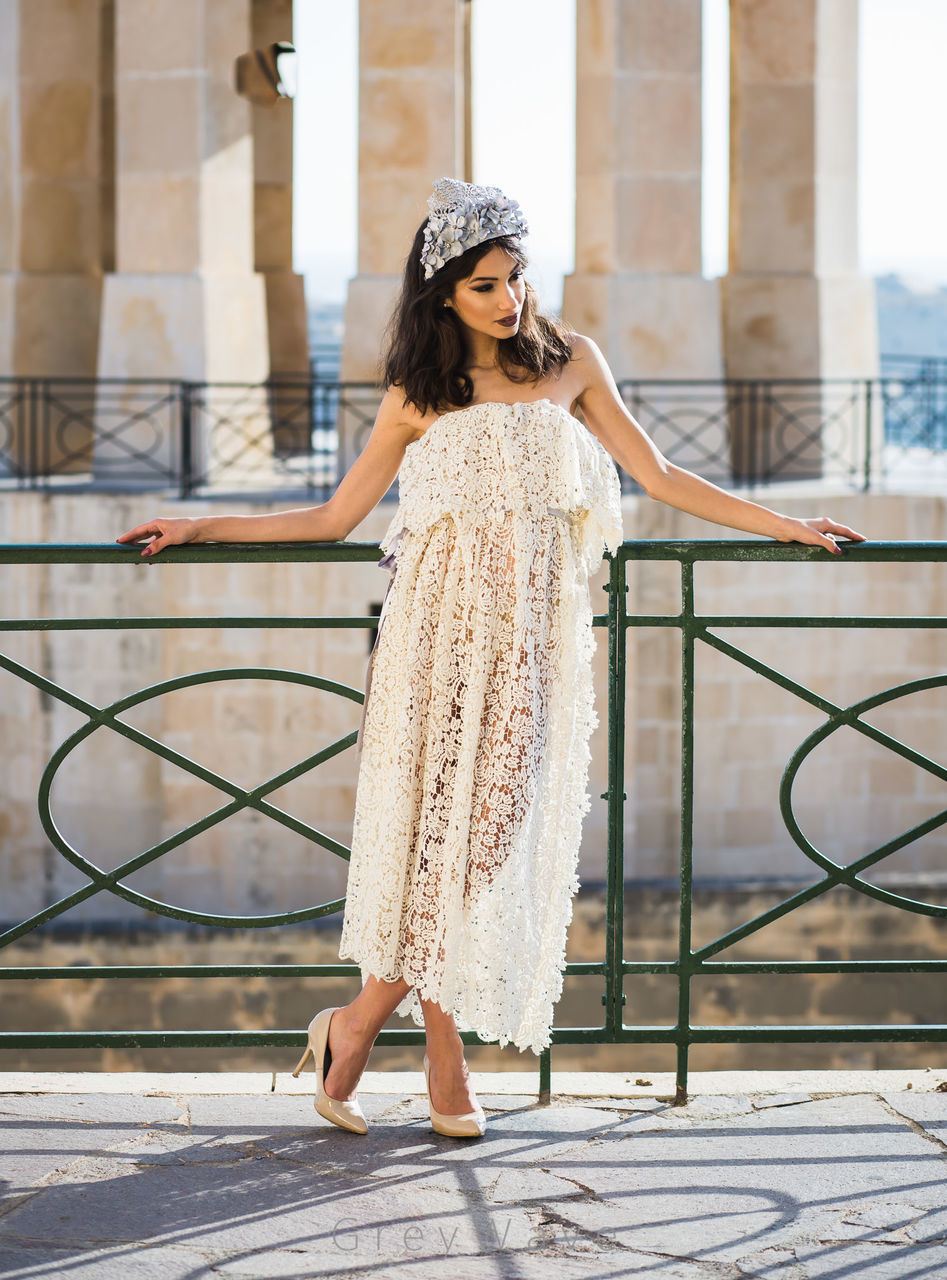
410, 133
637, 288
184, 300
273, 207
50, 208
794, 303
286, 319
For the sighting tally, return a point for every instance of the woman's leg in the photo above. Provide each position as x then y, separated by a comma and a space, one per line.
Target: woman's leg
451, 1090
352, 1033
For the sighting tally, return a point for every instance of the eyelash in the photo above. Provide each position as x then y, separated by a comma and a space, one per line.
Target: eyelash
485, 288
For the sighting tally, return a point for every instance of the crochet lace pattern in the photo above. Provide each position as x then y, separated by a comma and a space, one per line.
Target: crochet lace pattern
473, 777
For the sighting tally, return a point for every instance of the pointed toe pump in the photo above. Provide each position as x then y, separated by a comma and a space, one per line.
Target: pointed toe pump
471, 1125
347, 1115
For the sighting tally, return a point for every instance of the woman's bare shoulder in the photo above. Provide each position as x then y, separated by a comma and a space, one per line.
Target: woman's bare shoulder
585, 351
396, 413
587, 369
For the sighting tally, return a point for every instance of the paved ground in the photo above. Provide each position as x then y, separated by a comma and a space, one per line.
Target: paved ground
761, 1175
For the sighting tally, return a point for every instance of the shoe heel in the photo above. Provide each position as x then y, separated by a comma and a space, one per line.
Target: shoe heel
304, 1059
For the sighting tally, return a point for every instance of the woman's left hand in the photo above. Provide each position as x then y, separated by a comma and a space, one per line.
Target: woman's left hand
818, 531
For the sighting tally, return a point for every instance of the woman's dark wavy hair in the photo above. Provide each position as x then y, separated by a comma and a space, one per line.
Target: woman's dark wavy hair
425, 348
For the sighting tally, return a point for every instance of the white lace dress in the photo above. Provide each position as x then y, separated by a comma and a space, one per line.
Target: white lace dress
474, 761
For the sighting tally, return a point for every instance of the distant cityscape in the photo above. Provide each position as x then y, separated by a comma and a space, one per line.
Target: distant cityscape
912, 322
912, 317
326, 327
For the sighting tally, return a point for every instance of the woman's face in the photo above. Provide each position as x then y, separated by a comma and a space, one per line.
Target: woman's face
491, 299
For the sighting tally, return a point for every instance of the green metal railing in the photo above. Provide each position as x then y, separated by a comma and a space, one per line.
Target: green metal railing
695, 629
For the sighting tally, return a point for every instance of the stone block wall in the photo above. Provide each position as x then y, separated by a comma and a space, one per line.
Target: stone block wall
838, 926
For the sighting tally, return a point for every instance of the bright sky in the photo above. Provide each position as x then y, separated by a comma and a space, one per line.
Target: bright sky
903, 104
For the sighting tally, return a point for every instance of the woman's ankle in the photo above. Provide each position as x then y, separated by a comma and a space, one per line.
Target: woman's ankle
440, 1043
354, 1023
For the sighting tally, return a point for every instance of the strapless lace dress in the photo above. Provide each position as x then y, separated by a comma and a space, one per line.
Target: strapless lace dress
473, 774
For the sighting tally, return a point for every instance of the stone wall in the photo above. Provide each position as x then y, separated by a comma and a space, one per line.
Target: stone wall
112, 799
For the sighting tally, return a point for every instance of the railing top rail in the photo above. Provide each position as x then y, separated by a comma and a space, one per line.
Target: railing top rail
303, 379
176, 380
276, 380
770, 381
694, 550
716, 549
209, 553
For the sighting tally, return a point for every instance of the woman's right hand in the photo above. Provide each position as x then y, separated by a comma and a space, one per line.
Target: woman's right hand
170, 531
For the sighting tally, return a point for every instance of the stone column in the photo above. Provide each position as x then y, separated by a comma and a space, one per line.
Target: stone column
637, 288
410, 134
273, 206
794, 303
184, 300
50, 209
286, 319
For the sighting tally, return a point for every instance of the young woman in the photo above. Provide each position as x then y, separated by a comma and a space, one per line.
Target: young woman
474, 765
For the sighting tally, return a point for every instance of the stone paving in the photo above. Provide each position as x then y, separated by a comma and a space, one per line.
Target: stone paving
760, 1175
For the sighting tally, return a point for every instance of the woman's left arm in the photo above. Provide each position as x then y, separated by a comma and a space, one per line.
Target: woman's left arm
636, 453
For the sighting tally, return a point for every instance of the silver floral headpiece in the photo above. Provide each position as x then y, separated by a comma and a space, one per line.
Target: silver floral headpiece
463, 215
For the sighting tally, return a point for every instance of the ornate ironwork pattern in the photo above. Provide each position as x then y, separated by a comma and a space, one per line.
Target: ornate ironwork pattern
108, 717
696, 630
299, 435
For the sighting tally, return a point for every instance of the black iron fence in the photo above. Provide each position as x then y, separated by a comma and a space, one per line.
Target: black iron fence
299, 435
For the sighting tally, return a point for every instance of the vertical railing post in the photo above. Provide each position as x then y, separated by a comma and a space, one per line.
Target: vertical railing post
928, 380
765, 428
185, 390
684, 956
27, 463
866, 480
38, 416
545, 1076
614, 998
311, 434
341, 436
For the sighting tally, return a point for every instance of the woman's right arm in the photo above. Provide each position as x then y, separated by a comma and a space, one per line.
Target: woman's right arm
363, 486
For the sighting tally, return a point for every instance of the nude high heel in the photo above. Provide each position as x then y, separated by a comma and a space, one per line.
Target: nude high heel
471, 1125
347, 1115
